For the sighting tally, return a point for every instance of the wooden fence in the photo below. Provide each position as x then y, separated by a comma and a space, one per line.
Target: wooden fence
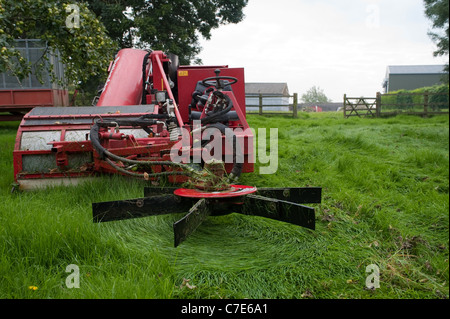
422, 104
293, 108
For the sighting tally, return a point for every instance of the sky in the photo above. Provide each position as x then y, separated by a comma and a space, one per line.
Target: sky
341, 46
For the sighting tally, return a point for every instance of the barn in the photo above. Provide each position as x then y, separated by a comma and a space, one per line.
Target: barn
410, 77
277, 94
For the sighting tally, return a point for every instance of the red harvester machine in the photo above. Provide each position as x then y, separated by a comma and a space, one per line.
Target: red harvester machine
148, 108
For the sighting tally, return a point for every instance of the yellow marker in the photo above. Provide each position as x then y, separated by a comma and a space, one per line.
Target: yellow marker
183, 73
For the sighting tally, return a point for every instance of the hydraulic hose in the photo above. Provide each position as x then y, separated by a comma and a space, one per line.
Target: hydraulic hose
120, 169
107, 155
217, 116
186, 170
144, 76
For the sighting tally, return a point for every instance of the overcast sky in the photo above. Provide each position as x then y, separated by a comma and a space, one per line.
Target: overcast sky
342, 46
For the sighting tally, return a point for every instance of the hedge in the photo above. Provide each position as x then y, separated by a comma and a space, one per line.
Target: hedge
409, 99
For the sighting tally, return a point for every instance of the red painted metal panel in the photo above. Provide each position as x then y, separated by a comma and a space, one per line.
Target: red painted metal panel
6, 97
33, 97
124, 85
23, 100
188, 76
234, 191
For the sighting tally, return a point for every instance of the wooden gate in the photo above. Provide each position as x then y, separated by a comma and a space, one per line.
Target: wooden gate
360, 106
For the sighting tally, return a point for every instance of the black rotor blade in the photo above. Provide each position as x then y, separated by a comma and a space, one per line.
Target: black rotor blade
155, 191
141, 207
189, 223
299, 195
279, 210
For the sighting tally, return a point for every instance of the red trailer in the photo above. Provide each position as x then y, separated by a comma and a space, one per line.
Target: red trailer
19, 97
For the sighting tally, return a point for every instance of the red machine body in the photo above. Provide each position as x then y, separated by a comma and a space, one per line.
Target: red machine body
189, 75
127, 91
147, 102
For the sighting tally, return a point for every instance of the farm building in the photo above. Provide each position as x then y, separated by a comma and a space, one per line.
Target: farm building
410, 77
273, 94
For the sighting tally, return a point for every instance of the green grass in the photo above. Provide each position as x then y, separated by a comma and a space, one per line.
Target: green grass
385, 202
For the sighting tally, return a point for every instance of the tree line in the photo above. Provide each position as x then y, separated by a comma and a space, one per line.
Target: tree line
104, 26
89, 33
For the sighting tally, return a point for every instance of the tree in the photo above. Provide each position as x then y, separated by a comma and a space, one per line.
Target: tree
438, 12
168, 25
68, 26
315, 95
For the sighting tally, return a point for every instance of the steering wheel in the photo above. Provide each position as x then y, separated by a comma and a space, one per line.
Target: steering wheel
219, 80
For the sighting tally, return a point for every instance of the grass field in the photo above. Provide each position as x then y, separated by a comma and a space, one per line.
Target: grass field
385, 203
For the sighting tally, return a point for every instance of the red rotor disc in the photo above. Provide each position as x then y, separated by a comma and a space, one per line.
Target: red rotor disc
234, 191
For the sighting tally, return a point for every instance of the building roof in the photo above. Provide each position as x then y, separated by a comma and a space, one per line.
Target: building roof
267, 88
415, 69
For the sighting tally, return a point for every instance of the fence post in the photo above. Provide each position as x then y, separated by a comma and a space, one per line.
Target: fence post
425, 104
378, 104
345, 106
260, 104
295, 106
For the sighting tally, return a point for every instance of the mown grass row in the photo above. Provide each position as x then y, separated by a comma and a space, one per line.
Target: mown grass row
385, 202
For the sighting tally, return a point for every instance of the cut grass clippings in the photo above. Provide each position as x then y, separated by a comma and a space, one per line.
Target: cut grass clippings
385, 203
